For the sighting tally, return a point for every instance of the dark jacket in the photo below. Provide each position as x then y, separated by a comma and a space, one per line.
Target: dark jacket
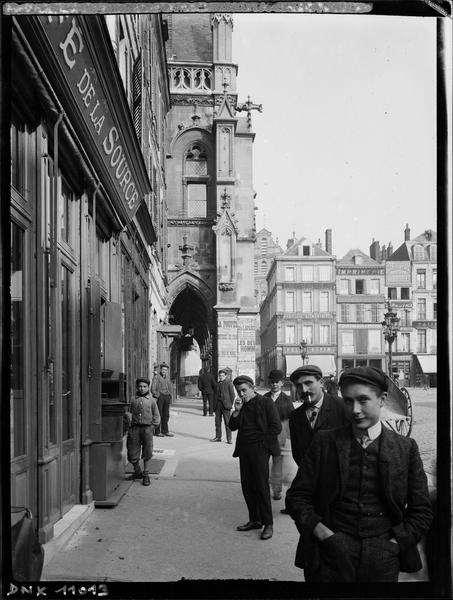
225, 394
321, 481
267, 420
285, 407
207, 383
331, 416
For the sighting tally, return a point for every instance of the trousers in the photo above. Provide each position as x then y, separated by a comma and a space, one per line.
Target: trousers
140, 438
254, 470
208, 402
344, 557
276, 477
220, 412
163, 404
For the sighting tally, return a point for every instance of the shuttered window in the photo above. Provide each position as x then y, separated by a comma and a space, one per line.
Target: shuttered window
137, 97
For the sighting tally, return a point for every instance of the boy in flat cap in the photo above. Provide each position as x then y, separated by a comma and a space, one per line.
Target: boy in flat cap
258, 424
161, 390
143, 417
319, 410
360, 498
284, 406
223, 403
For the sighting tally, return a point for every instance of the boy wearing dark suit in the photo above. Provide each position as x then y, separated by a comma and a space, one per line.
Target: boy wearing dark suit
223, 404
360, 497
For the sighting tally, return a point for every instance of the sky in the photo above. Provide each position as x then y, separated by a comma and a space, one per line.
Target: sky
347, 137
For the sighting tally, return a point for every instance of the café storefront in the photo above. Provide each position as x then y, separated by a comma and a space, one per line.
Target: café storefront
79, 265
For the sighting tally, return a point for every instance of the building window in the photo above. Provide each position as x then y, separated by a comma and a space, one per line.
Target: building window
435, 311
344, 313
196, 200
374, 341
375, 286
375, 313
391, 293
418, 252
290, 334
307, 273
347, 342
421, 279
263, 267
324, 334
289, 302
421, 309
307, 302
433, 253
196, 162
289, 273
344, 286
403, 342
434, 279
18, 343
360, 313
255, 268
359, 286
325, 273
421, 340
263, 246
307, 333
67, 354
305, 250
405, 293
361, 341
324, 302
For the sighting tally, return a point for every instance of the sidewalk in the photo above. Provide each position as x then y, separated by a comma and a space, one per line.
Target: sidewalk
184, 524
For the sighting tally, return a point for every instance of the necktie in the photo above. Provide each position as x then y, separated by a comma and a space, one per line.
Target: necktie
312, 419
365, 440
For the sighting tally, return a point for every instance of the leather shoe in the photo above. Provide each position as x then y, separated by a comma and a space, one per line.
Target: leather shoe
168, 434
159, 435
146, 480
229, 442
248, 526
137, 475
215, 440
267, 532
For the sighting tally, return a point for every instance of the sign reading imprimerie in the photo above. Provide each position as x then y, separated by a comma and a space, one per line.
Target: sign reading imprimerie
70, 48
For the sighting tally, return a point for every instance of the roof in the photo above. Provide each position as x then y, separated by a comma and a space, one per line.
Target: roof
401, 253
348, 259
303, 241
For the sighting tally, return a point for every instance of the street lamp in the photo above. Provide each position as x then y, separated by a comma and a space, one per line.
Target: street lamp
390, 326
303, 351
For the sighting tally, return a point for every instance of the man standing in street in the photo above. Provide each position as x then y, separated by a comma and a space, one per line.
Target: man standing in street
161, 390
360, 497
318, 410
284, 407
258, 424
223, 404
207, 386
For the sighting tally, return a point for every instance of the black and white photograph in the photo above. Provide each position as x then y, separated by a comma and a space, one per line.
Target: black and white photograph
225, 371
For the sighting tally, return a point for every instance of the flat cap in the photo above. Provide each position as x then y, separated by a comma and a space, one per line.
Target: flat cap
142, 380
276, 375
243, 379
366, 375
306, 370
163, 365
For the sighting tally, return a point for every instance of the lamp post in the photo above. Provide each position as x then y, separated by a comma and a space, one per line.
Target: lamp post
303, 351
390, 326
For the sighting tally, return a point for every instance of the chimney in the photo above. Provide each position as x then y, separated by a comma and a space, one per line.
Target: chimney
407, 233
329, 241
318, 244
389, 250
375, 251
383, 253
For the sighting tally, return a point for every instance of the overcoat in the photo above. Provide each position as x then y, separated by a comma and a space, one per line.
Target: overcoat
321, 481
267, 421
331, 416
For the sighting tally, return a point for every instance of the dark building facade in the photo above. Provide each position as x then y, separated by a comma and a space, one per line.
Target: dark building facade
83, 246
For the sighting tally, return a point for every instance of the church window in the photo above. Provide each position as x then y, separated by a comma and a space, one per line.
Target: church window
196, 161
263, 245
196, 200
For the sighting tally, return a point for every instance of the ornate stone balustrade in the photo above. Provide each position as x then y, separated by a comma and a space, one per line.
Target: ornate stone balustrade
201, 78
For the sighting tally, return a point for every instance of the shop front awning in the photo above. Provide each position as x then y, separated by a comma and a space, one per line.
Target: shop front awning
428, 363
326, 362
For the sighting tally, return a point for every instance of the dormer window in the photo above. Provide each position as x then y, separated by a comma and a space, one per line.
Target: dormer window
358, 260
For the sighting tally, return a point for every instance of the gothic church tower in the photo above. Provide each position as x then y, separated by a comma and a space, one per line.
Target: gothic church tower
210, 196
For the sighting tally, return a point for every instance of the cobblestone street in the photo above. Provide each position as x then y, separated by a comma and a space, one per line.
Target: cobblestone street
424, 430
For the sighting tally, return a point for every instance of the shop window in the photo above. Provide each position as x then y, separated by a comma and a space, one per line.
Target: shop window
405, 293
67, 354
359, 286
375, 362
18, 337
